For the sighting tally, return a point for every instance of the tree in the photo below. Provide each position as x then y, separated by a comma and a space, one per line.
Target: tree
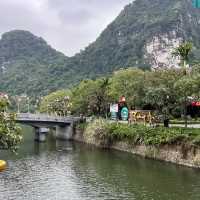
90, 97
58, 102
185, 87
183, 52
128, 83
157, 98
10, 132
100, 99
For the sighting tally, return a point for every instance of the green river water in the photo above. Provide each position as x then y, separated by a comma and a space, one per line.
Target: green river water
60, 170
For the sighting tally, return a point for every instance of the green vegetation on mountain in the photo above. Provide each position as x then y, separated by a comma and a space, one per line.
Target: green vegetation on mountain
29, 65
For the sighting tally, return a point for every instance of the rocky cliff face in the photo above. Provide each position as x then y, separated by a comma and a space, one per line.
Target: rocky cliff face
160, 48
185, 27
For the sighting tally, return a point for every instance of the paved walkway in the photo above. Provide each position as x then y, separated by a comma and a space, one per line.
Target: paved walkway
182, 125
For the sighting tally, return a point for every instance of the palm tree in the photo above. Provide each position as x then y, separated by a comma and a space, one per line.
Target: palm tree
183, 51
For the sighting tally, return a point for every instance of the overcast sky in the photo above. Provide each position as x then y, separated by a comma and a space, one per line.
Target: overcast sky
67, 25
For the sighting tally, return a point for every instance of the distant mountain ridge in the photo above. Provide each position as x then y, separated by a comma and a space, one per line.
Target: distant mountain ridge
143, 35
28, 64
21, 43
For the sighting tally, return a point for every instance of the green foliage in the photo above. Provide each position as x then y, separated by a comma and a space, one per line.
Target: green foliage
108, 133
130, 83
57, 103
4, 103
160, 90
186, 86
29, 65
97, 133
91, 97
183, 50
157, 97
10, 132
196, 140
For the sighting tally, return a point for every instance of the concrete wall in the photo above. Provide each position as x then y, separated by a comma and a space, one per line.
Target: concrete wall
181, 154
65, 132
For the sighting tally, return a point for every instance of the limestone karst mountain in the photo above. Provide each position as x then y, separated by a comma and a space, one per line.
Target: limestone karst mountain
143, 35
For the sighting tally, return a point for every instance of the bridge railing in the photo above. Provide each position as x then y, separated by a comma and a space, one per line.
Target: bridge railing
45, 117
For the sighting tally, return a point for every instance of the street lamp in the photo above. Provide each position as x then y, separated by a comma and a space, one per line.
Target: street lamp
28, 104
66, 105
27, 99
166, 118
36, 104
57, 107
18, 103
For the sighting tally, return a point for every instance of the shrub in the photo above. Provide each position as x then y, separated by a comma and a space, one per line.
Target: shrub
97, 133
106, 132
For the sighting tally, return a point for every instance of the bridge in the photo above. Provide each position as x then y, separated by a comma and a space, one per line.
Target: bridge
42, 123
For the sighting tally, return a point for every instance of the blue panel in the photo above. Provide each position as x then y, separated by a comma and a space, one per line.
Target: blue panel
196, 3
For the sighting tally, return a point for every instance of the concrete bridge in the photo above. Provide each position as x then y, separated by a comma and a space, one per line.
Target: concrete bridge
42, 123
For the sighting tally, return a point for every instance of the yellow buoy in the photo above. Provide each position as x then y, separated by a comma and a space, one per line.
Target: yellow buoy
3, 165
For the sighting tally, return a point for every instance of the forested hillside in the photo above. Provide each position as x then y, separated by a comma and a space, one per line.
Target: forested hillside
143, 35
28, 64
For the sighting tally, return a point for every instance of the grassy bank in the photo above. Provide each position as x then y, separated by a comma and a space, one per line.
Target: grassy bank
105, 133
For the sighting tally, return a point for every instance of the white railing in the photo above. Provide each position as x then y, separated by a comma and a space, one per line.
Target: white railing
45, 117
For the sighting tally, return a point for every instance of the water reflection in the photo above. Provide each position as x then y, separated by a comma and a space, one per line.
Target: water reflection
65, 170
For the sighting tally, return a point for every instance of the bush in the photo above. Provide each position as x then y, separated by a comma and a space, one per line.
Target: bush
10, 132
97, 133
106, 133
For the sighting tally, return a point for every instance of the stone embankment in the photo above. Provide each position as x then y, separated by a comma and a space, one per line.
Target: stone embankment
180, 154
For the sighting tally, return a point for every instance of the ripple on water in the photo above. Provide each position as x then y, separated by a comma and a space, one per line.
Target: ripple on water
80, 173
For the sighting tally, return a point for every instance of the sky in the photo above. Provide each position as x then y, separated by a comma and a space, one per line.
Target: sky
67, 25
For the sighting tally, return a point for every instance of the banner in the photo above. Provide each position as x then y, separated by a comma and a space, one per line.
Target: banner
114, 108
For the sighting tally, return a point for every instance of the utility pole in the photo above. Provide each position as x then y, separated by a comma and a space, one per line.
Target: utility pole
18, 103
28, 104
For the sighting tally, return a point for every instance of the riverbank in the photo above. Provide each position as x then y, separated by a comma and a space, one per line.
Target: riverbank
176, 145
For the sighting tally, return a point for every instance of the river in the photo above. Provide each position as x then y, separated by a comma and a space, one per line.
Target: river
60, 170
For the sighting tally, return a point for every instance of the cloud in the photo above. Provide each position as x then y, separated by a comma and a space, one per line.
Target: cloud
67, 25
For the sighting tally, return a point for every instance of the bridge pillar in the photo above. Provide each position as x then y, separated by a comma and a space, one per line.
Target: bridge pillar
65, 132
40, 134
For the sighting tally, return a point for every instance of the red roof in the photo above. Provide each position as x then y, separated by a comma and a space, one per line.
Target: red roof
196, 103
